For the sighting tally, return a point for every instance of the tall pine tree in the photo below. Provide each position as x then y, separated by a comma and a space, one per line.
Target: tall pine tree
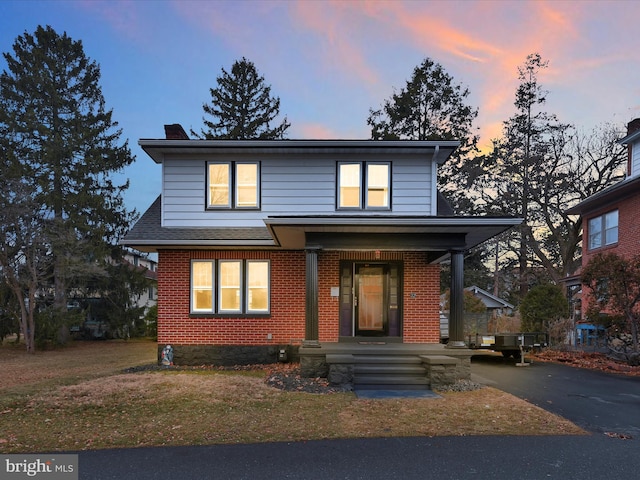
431, 106
242, 107
63, 140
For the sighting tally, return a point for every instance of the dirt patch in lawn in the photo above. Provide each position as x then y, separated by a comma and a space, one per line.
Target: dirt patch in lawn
69, 406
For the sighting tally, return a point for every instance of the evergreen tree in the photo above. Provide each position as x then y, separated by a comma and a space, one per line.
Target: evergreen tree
64, 145
543, 305
242, 107
432, 107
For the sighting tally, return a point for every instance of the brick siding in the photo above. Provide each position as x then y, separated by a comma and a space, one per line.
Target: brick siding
286, 323
628, 243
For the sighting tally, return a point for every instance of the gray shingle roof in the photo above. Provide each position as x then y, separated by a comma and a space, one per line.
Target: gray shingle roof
148, 232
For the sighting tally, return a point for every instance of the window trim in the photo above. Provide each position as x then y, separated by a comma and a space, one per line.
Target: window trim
233, 185
601, 222
219, 286
339, 186
367, 186
248, 287
229, 203
192, 302
363, 186
216, 288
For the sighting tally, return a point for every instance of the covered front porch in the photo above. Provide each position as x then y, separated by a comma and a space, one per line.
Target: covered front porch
365, 355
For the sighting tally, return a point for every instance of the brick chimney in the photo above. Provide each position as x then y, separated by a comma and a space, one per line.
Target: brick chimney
175, 132
632, 127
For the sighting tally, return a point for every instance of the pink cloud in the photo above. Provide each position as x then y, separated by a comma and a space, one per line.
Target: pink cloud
335, 24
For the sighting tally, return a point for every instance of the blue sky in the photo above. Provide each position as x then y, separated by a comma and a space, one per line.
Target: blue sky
331, 61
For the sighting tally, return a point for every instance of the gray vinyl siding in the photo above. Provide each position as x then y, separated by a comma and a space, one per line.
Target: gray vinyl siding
635, 159
291, 186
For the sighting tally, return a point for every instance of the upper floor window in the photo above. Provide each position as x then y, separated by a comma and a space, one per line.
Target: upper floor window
364, 184
233, 184
230, 286
603, 230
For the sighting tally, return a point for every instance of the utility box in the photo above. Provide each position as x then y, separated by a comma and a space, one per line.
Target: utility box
283, 354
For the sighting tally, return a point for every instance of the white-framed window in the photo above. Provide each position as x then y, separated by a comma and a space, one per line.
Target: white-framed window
229, 287
201, 286
364, 185
378, 179
233, 185
349, 180
257, 286
246, 185
603, 230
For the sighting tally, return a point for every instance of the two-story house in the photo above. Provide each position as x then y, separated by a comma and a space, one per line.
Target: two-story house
610, 217
322, 249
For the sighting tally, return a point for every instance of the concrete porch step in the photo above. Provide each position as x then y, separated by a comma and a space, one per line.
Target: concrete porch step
384, 386
390, 369
378, 379
387, 359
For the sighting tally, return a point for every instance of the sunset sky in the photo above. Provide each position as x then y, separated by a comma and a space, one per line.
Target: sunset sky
332, 61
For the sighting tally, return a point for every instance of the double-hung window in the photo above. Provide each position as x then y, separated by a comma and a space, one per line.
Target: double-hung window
230, 287
233, 185
364, 185
603, 230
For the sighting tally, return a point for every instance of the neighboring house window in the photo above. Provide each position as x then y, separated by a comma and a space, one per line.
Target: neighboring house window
233, 184
364, 183
240, 286
603, 230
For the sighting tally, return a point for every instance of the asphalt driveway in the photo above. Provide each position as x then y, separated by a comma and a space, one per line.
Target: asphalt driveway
598, 402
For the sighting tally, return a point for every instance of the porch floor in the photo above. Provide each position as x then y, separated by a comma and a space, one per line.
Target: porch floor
381, 347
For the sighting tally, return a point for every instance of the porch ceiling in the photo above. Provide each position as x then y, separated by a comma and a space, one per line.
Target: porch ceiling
387, 232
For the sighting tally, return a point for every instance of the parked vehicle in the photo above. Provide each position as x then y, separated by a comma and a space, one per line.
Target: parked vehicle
509, 344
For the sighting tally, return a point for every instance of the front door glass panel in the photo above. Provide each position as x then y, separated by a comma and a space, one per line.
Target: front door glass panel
370, 309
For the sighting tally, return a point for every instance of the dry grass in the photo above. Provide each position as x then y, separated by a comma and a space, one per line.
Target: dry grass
92, 405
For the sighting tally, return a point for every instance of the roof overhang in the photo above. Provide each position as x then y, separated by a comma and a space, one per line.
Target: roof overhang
159, 149
435, 234
608, 196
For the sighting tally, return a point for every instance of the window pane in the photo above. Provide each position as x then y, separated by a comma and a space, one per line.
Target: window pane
258, 282
595, 232
247, 185
202, 286
611, 227
378, 186
349, 189
229, 284
219, 185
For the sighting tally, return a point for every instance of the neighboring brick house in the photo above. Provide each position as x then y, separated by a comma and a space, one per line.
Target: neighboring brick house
312, 248
610, 217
